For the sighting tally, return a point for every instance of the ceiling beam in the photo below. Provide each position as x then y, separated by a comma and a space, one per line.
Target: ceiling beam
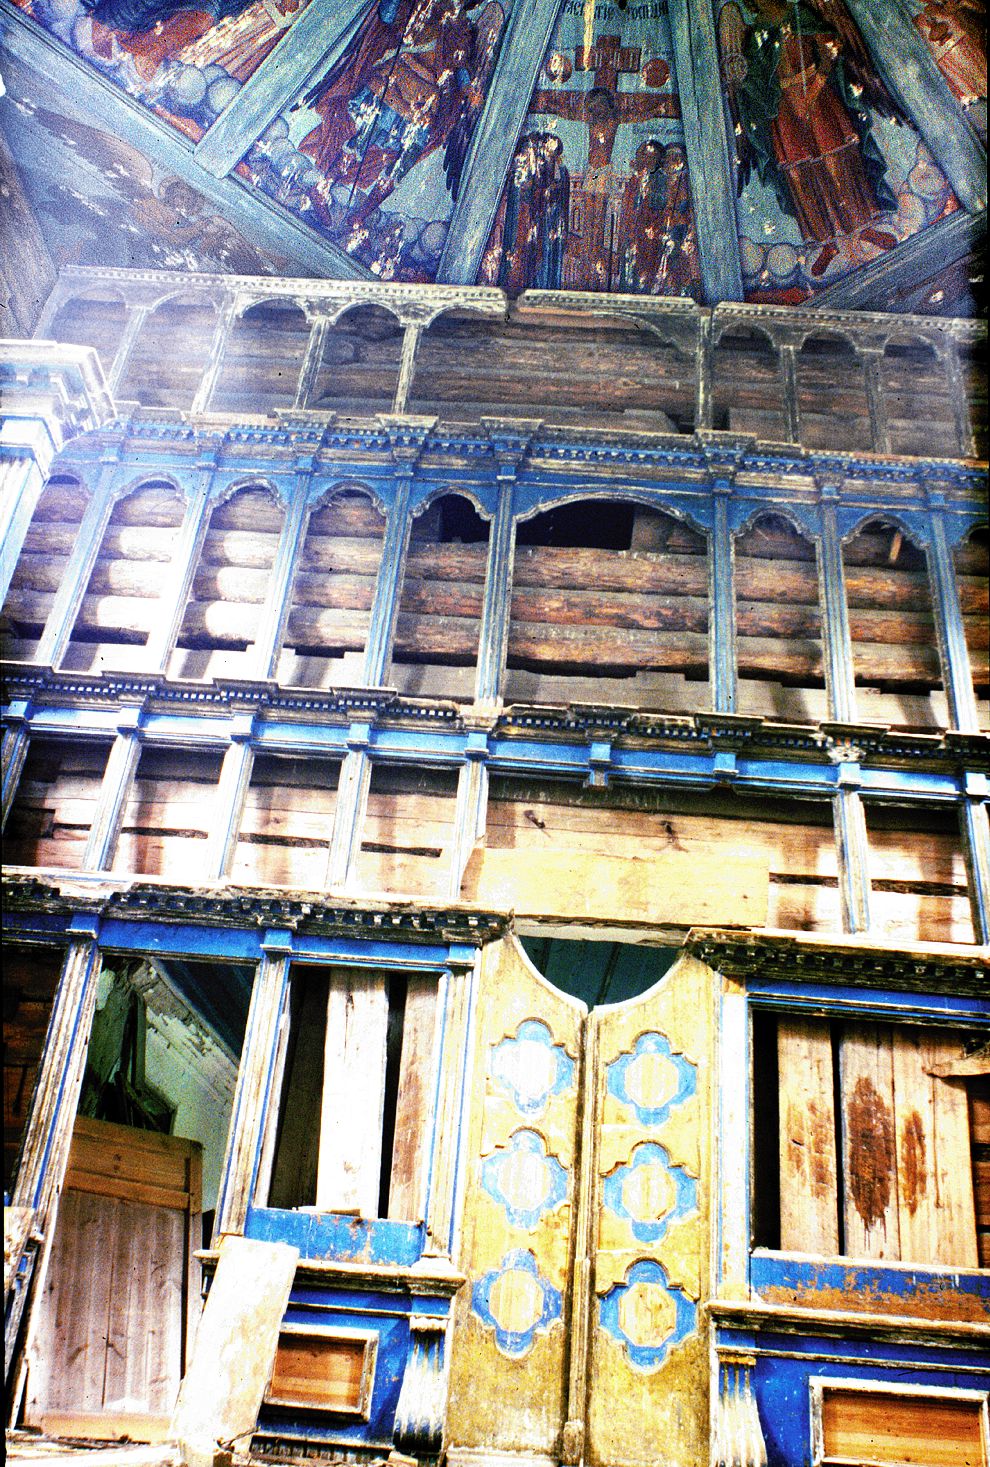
921, 257
910, 73
312, 44
520, 56
709, 149
90, 97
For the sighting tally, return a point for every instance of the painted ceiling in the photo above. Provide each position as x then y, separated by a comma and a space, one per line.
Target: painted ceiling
785, 151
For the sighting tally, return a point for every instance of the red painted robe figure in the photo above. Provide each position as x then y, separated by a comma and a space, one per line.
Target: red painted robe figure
655, 227
801, 89
956, 33
395, 96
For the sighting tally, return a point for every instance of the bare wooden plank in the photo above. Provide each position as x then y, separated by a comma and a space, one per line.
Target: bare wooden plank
415, 1099
349, 1169
231, 1364
956, 1236
869, 1142
809, 1199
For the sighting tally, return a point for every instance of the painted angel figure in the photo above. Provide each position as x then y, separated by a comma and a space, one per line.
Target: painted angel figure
802, 94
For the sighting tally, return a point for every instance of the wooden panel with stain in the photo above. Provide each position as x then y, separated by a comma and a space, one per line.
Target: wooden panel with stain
869, 1142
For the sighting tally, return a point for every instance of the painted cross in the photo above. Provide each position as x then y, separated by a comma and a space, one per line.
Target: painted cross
604, 109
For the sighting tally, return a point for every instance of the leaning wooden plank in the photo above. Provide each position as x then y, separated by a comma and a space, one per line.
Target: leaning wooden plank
415, 1099
951, 1161
222, 1390
869, 1156
809, 1202
348, 1176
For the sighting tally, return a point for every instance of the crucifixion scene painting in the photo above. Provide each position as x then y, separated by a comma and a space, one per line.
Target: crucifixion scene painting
770, 148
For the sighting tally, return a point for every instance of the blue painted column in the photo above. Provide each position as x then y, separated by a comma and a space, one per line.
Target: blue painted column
852, 846
256, 1080
136, 317
510, 440
388, 584
709, 148
722, 603
948, 355
16, 737
168, 618
472, 803
226, 317
238, 761
48, 1135
118, 777
235, 776
352, 800
976, 845
839, 675
954, 653
263, 659
527, 35
309, 371
75, 578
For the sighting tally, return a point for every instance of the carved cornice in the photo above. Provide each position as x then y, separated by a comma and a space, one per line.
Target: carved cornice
852, 962
28, 687
247, 908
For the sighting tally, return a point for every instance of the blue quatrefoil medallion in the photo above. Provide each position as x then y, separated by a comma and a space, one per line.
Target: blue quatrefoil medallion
652, 1078
530, 1067
650, 1192
647, 1314
517, 1302
524, 1178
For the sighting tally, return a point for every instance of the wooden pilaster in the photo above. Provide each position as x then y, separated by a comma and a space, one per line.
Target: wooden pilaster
136, 317
226, 317
954, 653
388, 586
852, 851
162, 639
352, 799
722, 603
118, 777
840, 684
235, 776
976, 846
253, 1094
309, 371
263, 659
75, 578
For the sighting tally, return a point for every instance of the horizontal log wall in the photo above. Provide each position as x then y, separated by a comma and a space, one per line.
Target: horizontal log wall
762, 377
287, 823
56, 800
408, 831
168, 814
41, 565
332, 592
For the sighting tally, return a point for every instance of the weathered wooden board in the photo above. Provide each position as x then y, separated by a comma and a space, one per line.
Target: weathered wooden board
881, 1426
113, 1317
414, 1101
809, 1207
350, 1157
668, 888
869, 1142
236, 1341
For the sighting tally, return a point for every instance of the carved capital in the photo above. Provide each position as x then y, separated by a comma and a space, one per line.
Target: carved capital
738, 1438
419, 1415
